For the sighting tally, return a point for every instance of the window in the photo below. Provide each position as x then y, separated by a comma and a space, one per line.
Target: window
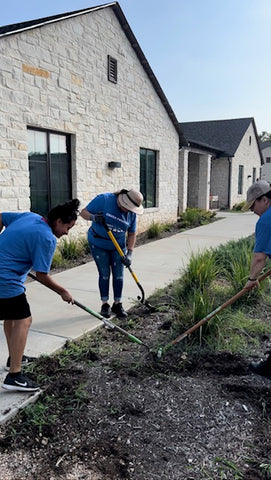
240, 179
253, 175
50, 169
112, 69
249, 141
268, 160
148, 176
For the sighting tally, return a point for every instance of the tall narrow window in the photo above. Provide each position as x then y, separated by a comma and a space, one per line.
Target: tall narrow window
112, 69
148, 176
240, 179
50, 169
253, 175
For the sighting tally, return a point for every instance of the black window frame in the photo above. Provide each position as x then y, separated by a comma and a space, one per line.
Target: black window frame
149, 191
49, 172
112, 69
240, 179
253, 174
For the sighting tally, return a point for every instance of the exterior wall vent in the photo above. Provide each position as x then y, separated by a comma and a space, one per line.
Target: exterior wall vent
112, 69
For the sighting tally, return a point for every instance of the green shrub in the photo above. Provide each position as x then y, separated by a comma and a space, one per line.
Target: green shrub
195, 217
201, 270
238, 206
154, 230
58, 261
70, 249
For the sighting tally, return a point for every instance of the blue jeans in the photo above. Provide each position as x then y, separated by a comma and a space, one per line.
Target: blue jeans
108, 261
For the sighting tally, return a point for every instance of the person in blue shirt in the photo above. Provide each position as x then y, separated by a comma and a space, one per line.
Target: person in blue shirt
259, 202
119, 210
27, 241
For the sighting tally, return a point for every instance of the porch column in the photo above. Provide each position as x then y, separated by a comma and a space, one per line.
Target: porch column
204, 180
183, 180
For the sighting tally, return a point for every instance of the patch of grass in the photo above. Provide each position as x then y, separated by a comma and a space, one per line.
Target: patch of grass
70, 249
58, 261
209, 280
200, 272
156, 228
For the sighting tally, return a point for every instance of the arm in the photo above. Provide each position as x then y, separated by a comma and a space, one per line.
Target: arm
85, 214
131, 239
48, 281
257, 264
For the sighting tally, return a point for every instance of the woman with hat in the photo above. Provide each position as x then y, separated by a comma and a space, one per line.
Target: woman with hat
119, 211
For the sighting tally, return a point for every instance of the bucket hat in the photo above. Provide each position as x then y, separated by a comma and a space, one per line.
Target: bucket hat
131, 200
255, 191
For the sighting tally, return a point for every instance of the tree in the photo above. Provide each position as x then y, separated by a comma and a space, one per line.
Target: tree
265, 137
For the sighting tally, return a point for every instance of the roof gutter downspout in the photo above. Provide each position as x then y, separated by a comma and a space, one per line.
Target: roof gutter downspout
229, 181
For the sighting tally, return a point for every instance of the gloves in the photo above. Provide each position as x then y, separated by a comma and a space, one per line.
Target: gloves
127, 259
97, 217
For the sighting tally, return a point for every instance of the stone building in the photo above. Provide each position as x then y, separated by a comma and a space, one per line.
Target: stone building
83, 113
221, 160
266, 167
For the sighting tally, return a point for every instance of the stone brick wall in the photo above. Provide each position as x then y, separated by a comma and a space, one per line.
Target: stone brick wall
266, 168
247, 154
55, 77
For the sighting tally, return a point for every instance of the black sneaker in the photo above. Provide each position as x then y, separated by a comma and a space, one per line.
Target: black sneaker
20, 383
117, 308
25, 361
262, 368
106, 310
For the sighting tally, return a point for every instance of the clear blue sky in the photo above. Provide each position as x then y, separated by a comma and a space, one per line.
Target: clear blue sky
211, 57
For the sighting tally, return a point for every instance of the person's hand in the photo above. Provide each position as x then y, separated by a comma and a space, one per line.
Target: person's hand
127, 259
97, 217
66, 296
252, 283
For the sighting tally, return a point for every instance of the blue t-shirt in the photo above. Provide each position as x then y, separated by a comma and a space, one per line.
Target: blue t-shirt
118, 221
263, 234
27, 242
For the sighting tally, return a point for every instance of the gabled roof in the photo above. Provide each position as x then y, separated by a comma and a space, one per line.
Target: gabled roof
23, 26
265, 145
223, 135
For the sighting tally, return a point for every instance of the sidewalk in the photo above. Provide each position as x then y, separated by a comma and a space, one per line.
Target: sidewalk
156, 264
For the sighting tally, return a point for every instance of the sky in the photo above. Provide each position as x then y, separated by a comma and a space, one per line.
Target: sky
211, 57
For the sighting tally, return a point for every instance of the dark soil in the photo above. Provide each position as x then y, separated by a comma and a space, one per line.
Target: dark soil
115, 411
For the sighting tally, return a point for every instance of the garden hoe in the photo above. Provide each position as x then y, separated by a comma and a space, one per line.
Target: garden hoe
122, 254
233, 299
106, 322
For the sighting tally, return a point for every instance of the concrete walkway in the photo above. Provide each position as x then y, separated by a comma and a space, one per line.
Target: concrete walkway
156, 264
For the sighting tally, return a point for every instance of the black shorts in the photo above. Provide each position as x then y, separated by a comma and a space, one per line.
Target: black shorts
14, 308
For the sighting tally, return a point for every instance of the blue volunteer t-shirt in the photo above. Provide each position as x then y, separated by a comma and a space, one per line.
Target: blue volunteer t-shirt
118, 221
263, 233
27, 242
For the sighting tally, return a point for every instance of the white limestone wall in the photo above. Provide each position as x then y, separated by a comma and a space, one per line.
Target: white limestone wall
219, 183
266, 168
55, 77
248, 155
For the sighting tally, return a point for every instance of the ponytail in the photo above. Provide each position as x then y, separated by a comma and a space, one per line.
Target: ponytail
66, 212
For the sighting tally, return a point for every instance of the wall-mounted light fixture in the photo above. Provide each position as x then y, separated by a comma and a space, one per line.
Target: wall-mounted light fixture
114, 164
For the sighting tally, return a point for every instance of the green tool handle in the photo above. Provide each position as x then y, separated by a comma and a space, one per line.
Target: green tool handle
109, 324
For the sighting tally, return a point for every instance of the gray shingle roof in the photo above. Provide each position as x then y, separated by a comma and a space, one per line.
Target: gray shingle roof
265, 145
223, 135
